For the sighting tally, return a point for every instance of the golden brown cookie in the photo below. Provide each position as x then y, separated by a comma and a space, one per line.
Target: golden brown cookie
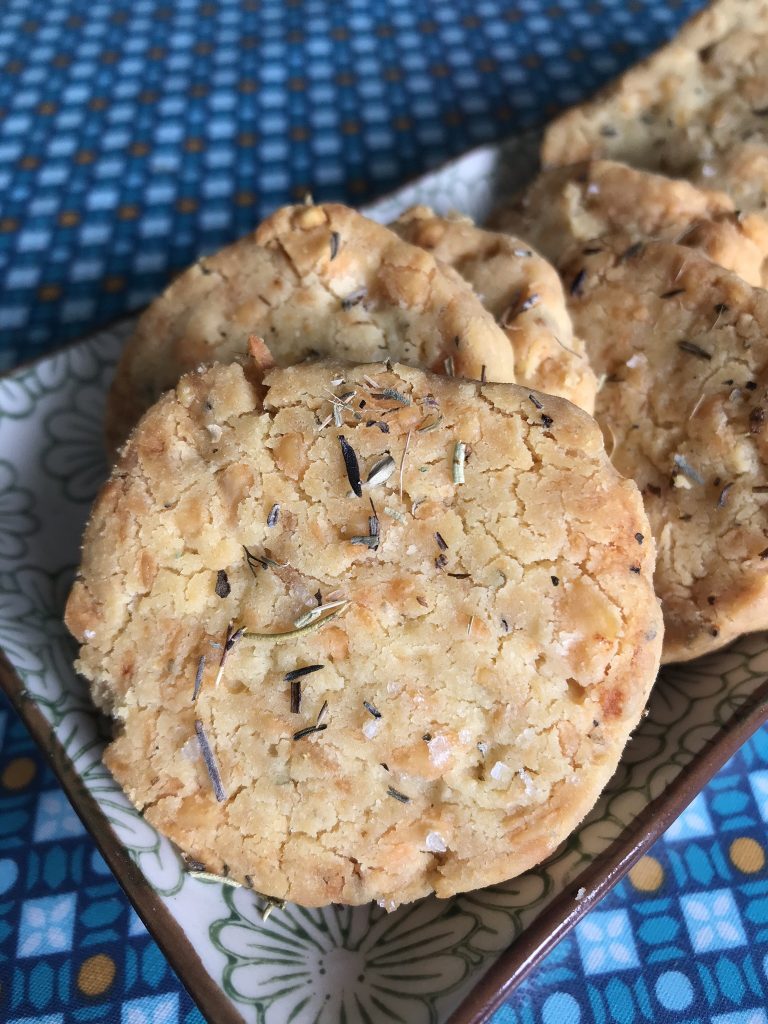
311, 280
683, 347
695, 109
450, 626
523, 293
579, 204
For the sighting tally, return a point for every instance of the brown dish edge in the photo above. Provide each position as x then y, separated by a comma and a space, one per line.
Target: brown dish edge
565, 911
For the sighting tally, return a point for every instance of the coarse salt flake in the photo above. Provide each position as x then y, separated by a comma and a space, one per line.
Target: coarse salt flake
371, 728
435, 843
439, 751
501, 772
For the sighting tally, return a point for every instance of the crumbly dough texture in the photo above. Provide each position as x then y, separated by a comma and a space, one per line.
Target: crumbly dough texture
505, 630
522, 292
576, 205
683, 345
311, 280
696, 108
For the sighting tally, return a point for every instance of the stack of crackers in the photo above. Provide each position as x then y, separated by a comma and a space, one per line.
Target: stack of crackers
374, 592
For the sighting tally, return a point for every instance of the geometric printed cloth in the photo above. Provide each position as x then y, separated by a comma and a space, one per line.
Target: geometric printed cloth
135, 136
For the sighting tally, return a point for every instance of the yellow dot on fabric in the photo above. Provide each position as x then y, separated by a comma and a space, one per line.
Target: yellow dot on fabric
647, 875
96, 974
8, 224
49, 292
69, 218
128, 212
29, 163
113, 284
747, 855
187, 205
194, 145
19, 773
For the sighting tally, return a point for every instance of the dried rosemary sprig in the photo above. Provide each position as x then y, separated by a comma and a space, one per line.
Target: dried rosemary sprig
210, 761
274, 515
313, 619
396, 795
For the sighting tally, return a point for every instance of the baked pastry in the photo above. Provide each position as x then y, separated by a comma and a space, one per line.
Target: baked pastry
366, 632
578, 204
521, 290
311, 280
694, 109
683, 348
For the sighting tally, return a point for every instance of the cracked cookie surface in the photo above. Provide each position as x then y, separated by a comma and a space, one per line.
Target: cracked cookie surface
489, 645
522, 292
311, 280
577, 205
694, 109
683, 345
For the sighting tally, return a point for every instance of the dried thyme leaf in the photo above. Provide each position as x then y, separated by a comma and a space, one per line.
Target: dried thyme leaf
672, 294
395, 794
263, 560
536, 402
721, 501
354, 298
295, 696
393, 394
198, 677
459, 457
546, 421
369, 541
310, 729
274, 515
210, 762
687, 469
352, 466
441, 543
381, 471
321, 714
639, 538
222, 584
428, 425
335, 238
458, 575
402, 461
299, 673
694, 350
394, 514
483, 378
555, 581
371, 709
577, 285
448, 366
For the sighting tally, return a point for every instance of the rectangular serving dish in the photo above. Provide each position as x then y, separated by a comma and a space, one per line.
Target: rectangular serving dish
432, 961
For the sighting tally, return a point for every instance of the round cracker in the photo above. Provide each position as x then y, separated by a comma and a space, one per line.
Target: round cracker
483, 662
311, 280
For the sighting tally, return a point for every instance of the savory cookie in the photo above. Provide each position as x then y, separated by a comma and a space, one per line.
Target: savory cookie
311, 280
577, 204
683, 346
521, 290
449, 626
695, 109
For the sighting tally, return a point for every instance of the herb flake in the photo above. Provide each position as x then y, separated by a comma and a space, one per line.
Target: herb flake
210, 762
352, 466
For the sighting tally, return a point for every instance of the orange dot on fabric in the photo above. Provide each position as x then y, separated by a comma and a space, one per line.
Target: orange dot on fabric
96, 974
747, 855
19, 773
647, 875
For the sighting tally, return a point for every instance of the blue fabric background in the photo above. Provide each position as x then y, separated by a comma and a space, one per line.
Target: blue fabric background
135, 136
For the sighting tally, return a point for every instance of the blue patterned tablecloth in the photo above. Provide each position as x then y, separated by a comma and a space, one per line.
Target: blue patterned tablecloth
134, 136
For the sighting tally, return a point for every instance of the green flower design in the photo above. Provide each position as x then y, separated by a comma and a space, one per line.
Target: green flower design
75, 453
343, 963
17, 520
78, 364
